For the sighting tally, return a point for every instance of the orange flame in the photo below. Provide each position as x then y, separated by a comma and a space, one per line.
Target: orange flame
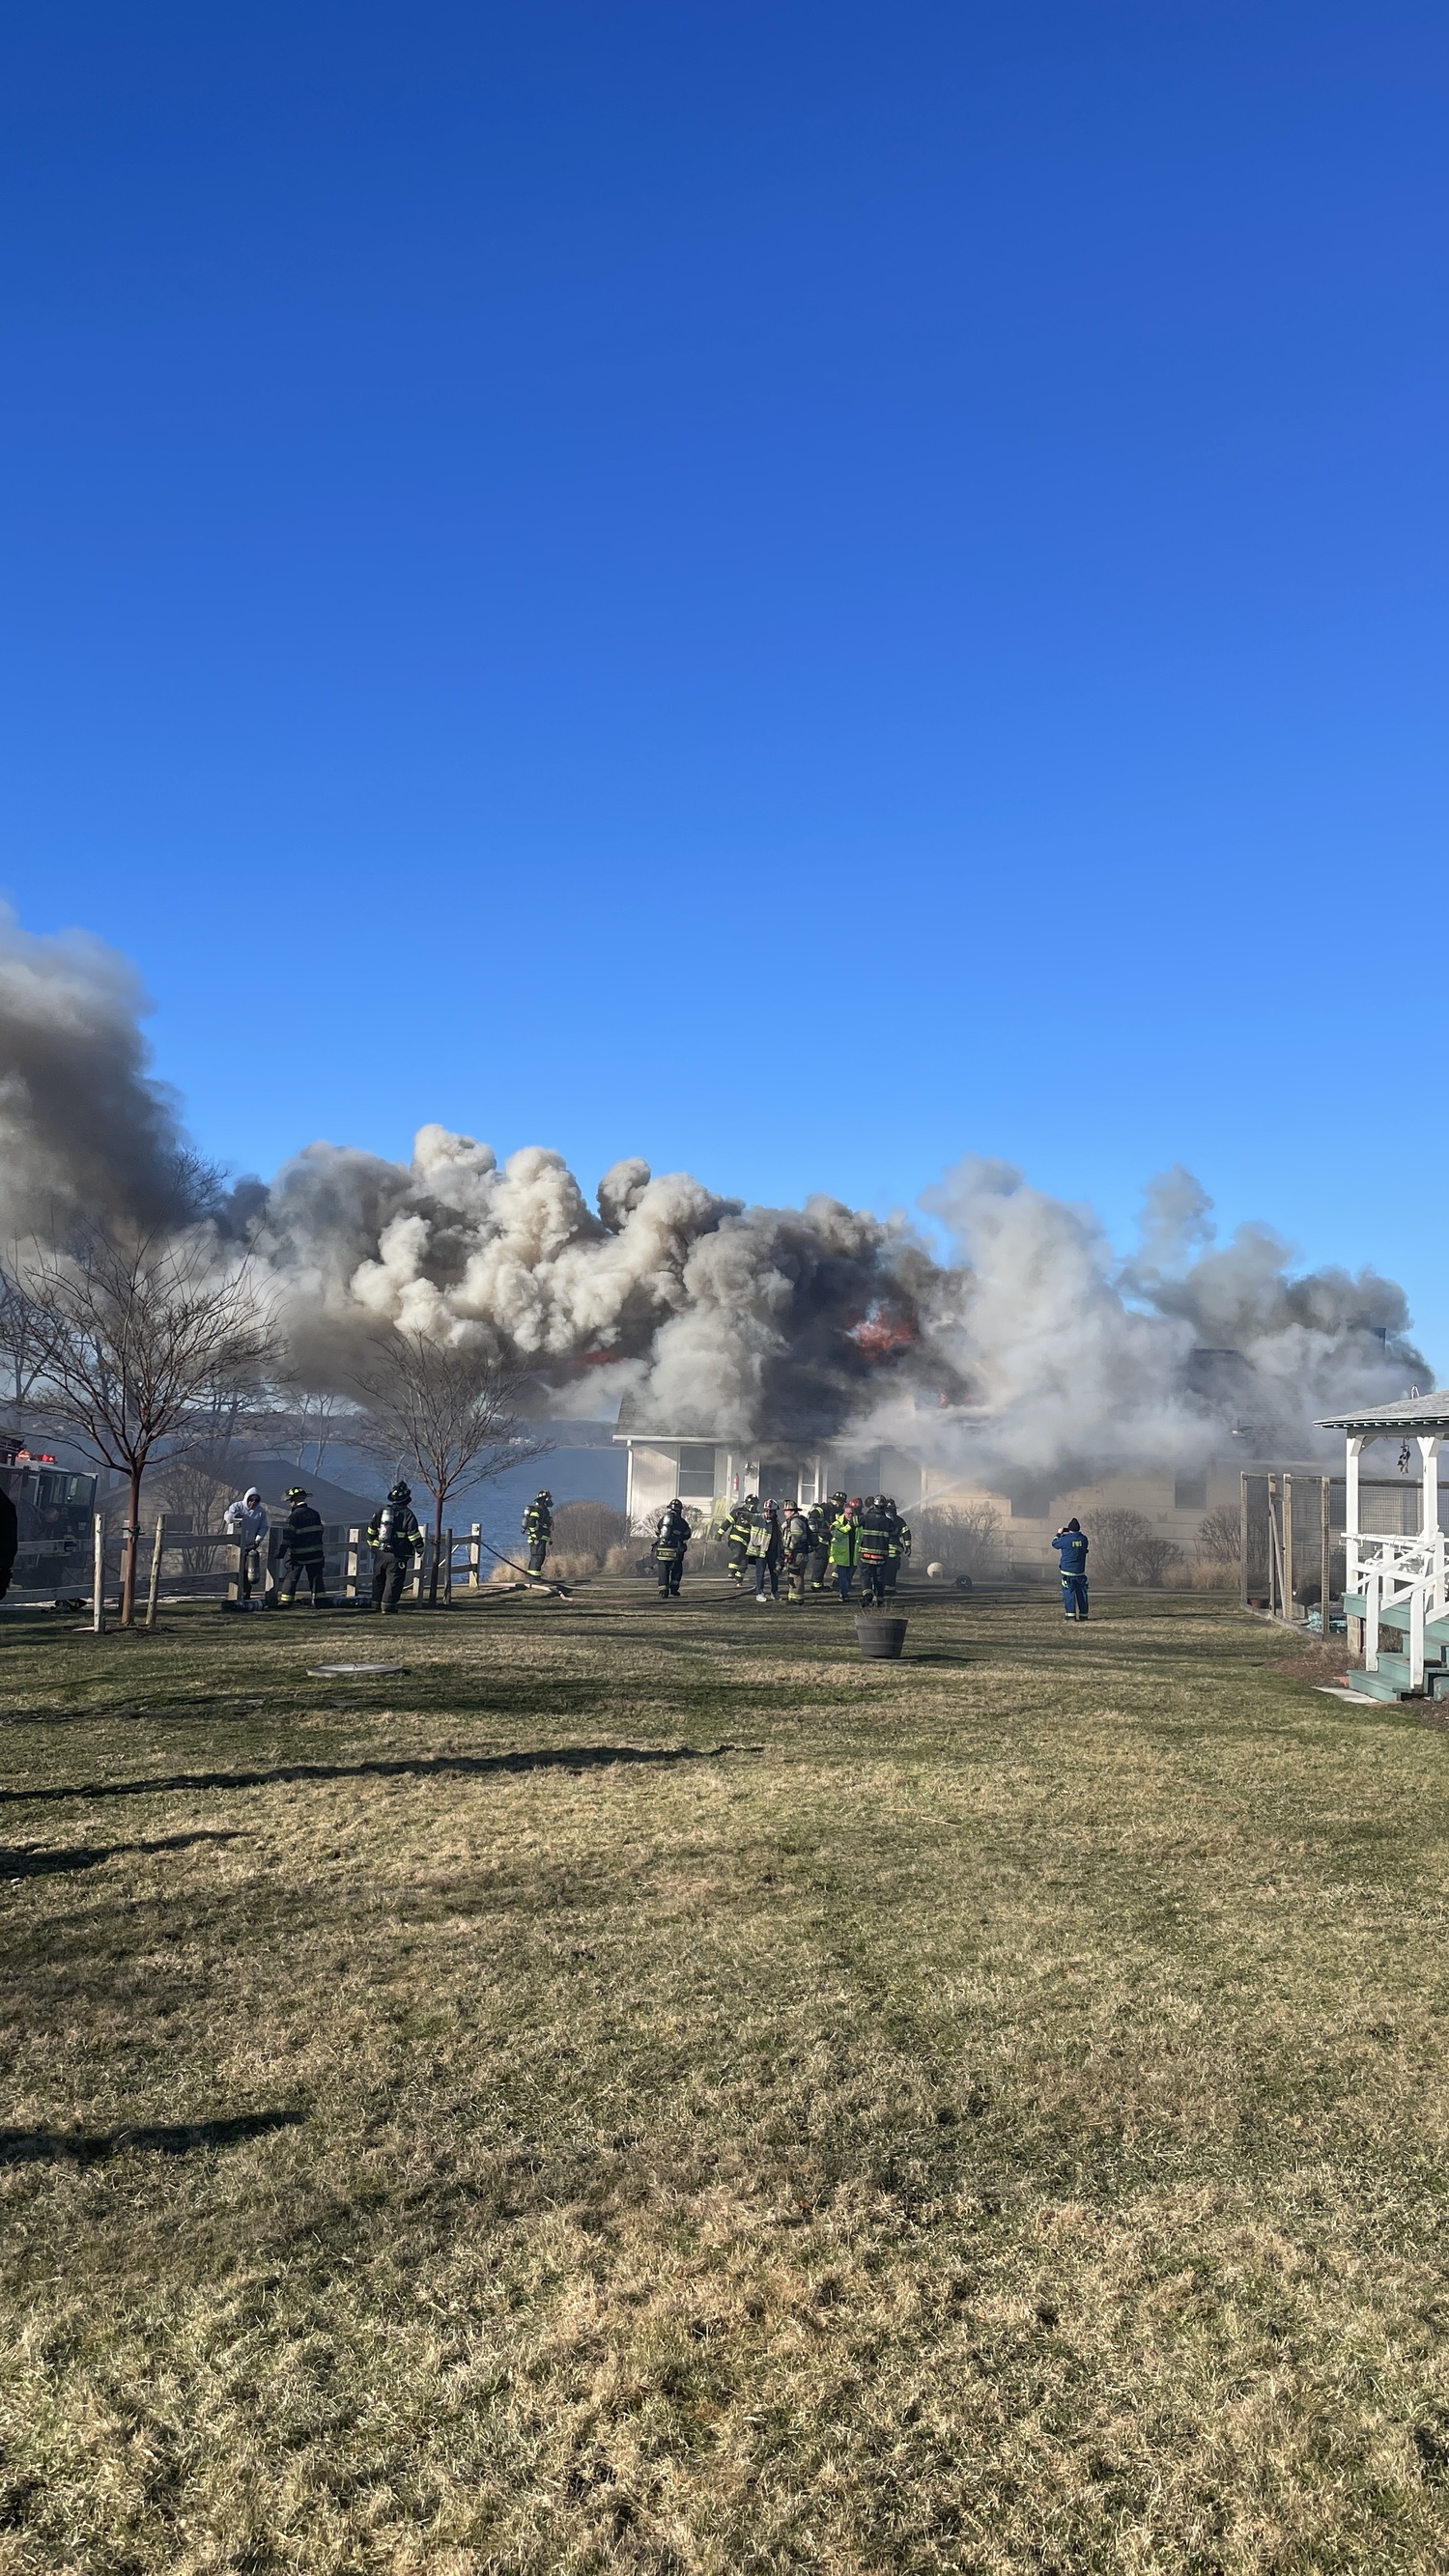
880, 1333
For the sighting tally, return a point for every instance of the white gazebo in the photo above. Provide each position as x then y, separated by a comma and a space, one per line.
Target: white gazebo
1397, 1582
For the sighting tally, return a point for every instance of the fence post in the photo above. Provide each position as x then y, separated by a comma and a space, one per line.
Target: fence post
98, 1583
1287, 1547
349, 1577
153, 1594
475, 1556
1243, 1540
447, 1569
422, 1567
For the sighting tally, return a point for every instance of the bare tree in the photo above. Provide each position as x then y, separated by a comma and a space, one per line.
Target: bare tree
1118, 1540
142, 1338
22, 1343
189, 1486
316, 1423
445, 1410
1220, 1535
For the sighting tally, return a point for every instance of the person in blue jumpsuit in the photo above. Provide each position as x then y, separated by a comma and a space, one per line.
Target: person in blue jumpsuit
1071, 1547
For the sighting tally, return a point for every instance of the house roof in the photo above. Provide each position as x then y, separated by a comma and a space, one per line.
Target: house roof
1407, 1413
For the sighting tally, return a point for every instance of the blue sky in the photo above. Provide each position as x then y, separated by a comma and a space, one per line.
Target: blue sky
564, 566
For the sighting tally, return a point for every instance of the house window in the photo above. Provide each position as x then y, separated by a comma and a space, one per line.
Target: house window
696, 1471
1189, 1494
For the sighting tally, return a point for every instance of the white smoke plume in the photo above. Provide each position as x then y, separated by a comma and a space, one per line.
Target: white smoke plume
1031, 1347
1080, 1363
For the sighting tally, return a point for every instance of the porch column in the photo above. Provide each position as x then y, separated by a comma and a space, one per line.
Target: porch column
1431, 1533
1429, 1453
1353, 1451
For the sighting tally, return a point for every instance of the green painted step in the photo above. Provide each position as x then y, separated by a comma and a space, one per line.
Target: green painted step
1393, 1669
1436, 1631
1378, 1685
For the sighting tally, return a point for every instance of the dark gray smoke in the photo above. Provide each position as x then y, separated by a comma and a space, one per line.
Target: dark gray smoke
1033, 1347
84, 1131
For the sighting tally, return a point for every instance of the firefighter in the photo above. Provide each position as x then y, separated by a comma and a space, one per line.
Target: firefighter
670, 1541
900, 1549
538, 1530
303, 1552
820, 1516
872, 1548
737, 1531
842, 1542
392, 1535
763, 1551
1071, 1547
797, 1544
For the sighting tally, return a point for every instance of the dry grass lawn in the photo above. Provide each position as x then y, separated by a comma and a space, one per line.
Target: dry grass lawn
645, 2089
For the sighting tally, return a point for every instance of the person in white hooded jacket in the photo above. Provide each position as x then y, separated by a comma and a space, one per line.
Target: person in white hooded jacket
246, 1522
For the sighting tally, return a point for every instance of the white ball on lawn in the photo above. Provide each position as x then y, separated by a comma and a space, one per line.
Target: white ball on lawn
934, 1570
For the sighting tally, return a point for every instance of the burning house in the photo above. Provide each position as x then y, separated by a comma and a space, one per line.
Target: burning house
1026, 1509
1001, 1348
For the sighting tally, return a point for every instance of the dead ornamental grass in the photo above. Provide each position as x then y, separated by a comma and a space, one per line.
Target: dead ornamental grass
992, 2119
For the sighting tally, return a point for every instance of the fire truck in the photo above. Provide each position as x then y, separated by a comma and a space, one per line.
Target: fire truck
55, 1510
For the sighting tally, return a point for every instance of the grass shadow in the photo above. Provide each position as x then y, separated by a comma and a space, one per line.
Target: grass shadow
568, 1757
73, 2147
28, 1863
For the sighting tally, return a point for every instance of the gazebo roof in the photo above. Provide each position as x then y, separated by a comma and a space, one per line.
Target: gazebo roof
1408, 1413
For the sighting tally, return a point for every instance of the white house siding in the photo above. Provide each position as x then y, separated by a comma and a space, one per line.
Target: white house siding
788, 1471
1174, 1508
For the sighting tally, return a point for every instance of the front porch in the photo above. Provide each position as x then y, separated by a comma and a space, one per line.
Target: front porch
1394, 1587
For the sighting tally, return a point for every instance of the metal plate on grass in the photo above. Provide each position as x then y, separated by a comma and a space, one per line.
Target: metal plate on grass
321, 1672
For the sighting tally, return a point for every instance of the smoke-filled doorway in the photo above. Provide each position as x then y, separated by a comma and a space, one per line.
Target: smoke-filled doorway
781, 1480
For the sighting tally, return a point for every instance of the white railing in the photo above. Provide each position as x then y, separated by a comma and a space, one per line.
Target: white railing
1391, 1573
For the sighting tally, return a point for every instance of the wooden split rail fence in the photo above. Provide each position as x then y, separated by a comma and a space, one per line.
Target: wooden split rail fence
348, 1565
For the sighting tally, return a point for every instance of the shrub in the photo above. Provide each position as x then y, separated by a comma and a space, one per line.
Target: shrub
1126, 1549
583, 1533
1157, 1557
964, 1537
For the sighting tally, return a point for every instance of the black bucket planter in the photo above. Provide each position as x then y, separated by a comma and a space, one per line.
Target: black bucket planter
881, 1639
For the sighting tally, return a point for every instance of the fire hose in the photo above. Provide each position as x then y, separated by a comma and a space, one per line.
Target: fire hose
526, 1571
